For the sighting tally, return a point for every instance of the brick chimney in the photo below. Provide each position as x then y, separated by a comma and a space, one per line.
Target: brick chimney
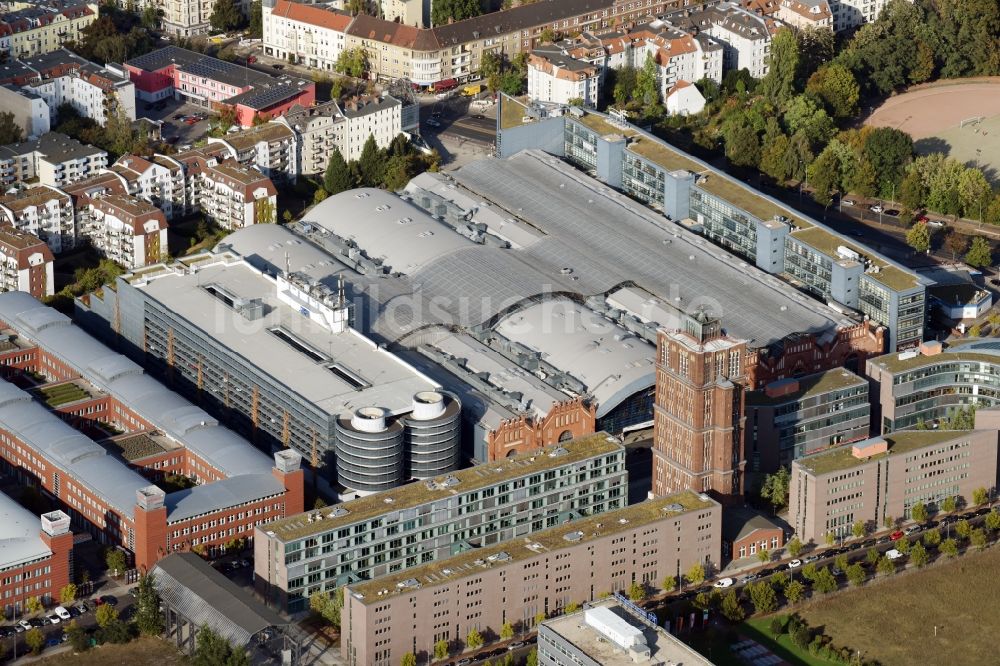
288, 470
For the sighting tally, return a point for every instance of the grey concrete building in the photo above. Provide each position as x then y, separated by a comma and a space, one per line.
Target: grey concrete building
610, 632
276, 356
516, 580
884, 477
795, 417
429, 521
848, 276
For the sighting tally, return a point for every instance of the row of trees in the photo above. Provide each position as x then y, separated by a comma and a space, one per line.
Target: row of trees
118, 136
504, 75
117, 34
389, 168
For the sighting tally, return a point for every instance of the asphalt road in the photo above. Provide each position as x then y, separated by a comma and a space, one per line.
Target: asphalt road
457, 119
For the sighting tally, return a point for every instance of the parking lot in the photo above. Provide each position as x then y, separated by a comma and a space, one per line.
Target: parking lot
174, 130
82, 611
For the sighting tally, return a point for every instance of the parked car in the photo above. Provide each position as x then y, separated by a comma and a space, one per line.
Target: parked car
897, 535
63, 613
892, 212
877, 208
277, 66
38, 622
53, 618
810, 558
935, 223
795, 564
7, 632
746, 578
433, 123
76, 611
107, 599
836, 571
251, 60
912, 529
849, 202
517, 645
893, 554
21, 626
724, 583
53, 642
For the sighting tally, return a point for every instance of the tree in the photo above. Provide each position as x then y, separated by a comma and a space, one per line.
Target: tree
116, 631
328, 605
148, 618
903, 546
532, 659
830, 538
794, 591
371, 165
858, 529
885, 567
702, 601
809, 571
775, 488
106, 614
836, 86
919, 512
974, 193
919, 237
949, 547
772, 158
977, 538
911, 191
506, 631
763, 596
441, 649
794, 547
225, 16
889, 151
256, 28
33, 605
777, 627
490, 65
265, 210
625, 84
352, 62
473, 640
35, 640
10, 131
778, 84
872, 555
443, 10
763, 556
338, 175
980, 254
210, 648
67, 594
824, 581
571, 608
742, 144
804, 115
409, 659
647, 90
855, 574
992, 521
696, 574
669, 584
637, 591
732, 609
932, 537
963, 529
77, 637
956, 243
918, 554
949, 504
822, 175
980, 496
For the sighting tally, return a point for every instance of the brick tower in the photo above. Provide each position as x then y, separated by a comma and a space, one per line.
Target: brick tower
698, 412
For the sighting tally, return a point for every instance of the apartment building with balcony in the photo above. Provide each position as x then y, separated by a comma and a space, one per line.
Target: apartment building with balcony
159, 180
796, 417
884, 477
517, 581
805, 14
850, 277
130, 231
231, 195
26, 263
313, 35
95, 91
34, 28
849, 14
43, 211
52, 159
431, 520
679, 55
556, 77
271, 148
37, 556
745, 35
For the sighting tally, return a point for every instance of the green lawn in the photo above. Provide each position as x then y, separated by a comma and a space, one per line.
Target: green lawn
715, 643
62, 394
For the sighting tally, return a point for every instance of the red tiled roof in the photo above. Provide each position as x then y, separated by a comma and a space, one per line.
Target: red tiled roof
324, 18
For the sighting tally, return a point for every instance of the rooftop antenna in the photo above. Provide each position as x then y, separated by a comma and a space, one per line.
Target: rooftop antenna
340, 290
286, 265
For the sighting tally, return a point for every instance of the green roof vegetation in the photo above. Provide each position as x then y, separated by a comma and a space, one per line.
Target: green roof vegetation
663, 155
600, 125
810, 385
511, 112
744, 197
591, 527
899, 442
823, 241
133, 447
893, 363
62, 394
418, 492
